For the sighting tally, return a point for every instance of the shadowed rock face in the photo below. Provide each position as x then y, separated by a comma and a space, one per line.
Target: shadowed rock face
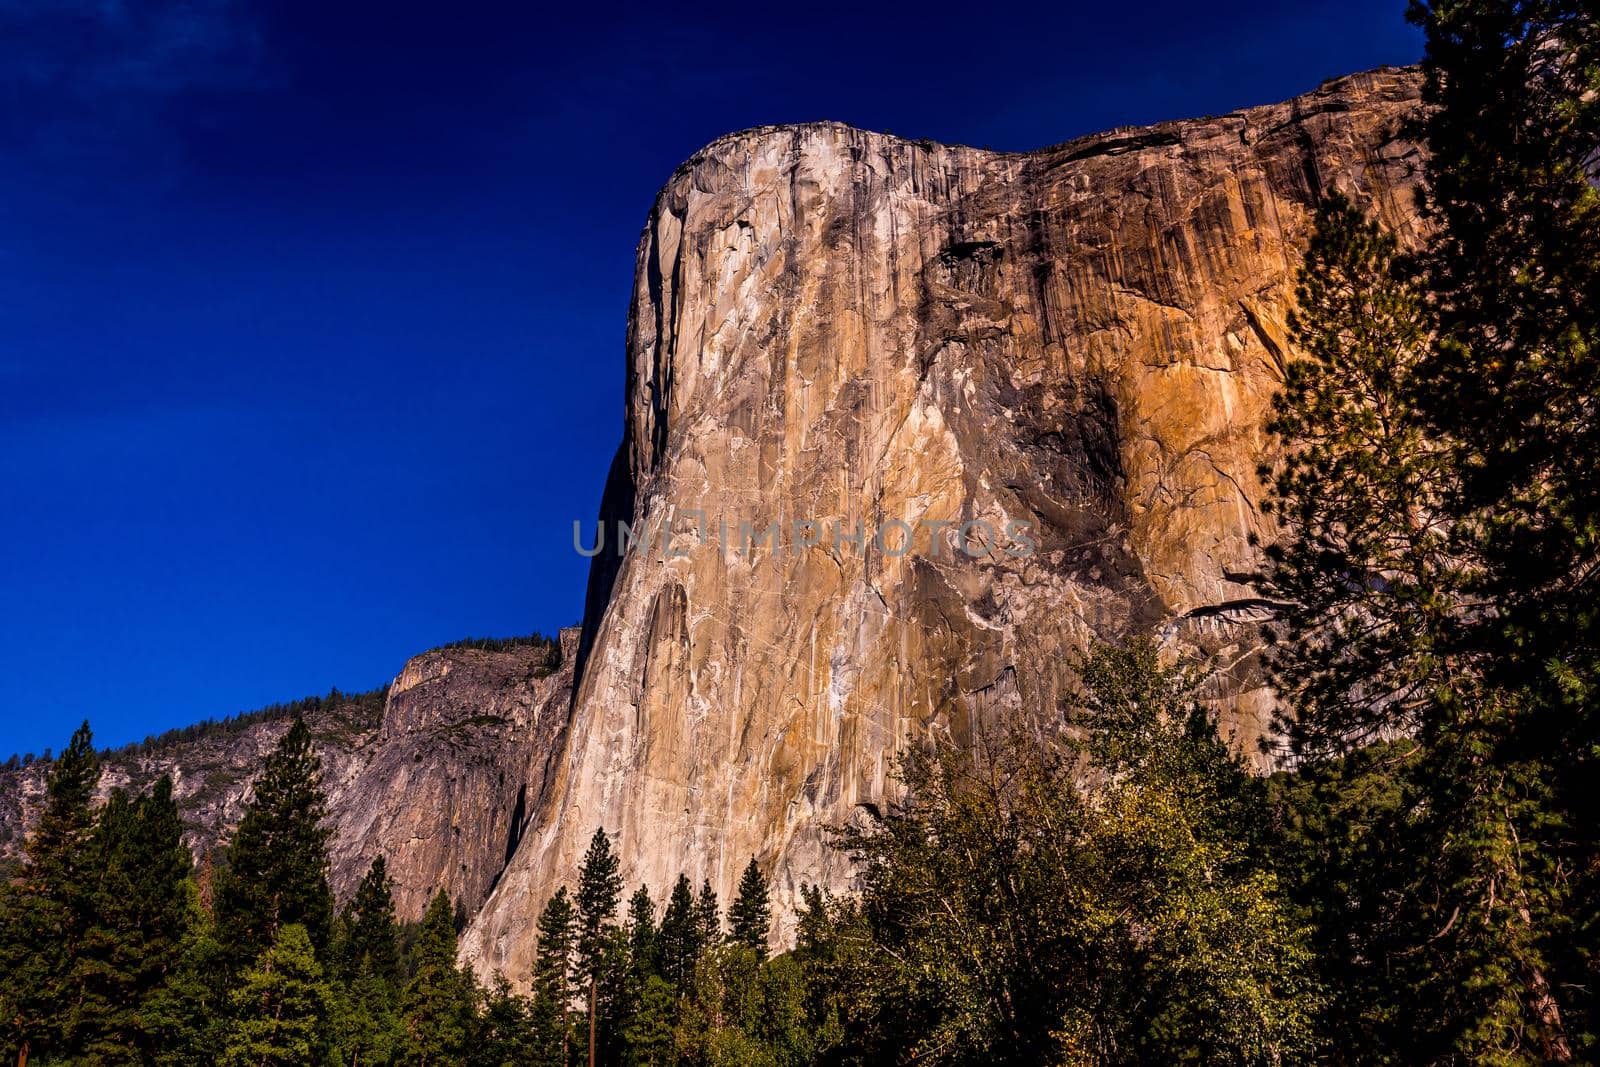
840, 325
465, 754
441, 782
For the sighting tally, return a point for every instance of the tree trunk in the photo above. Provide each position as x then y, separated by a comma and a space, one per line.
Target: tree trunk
22, 1054
594, 987
1553, 1036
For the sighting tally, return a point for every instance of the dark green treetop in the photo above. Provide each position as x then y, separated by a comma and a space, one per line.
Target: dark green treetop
751, 913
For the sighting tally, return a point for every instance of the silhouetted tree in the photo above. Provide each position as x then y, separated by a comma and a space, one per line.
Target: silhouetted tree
678, 941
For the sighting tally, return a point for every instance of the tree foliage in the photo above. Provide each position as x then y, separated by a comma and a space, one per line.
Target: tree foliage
46, 912
1014, 914
437, 1006
371, 945
280, 1006
1099, 884
1367, 577
276, 870
678, 942
137, 915
751, 913
1440, 518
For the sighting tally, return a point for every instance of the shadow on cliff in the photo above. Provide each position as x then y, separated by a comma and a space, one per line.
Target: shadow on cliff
616, 504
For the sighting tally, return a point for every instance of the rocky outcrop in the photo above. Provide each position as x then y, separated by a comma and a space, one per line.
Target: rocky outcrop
465, 754
1070, 351
439, 775
211, 772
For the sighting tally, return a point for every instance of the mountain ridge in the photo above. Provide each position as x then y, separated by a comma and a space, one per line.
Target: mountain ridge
431, 775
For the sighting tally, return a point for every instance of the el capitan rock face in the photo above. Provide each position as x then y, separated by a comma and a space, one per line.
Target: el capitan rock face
835, 324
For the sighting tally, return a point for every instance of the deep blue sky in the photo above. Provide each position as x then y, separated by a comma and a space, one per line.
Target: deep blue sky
311, 314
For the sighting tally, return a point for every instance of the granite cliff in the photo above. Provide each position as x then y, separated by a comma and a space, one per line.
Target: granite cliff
438, 772
464, 754
843, 326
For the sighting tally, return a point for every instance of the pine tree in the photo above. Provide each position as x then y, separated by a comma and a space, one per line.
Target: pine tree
438, 1005
634, 963
506, 1035
599, 891
98, 972
372, 946
365, 1020
650, 1035
366, 945
337, 956
1374, 575
678, 942
751, 914
1514, 269
280, 1006
277, 865
1439, 538
139, 914
1343, 846
549, 1032
708, 919
642, 932
1366, 580
617, 995
187, 1015
45, 912
553, 974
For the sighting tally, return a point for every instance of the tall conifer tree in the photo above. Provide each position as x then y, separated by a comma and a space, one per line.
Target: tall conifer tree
751, 913
45, 913
277, 865
599, 891
280, 1007
366, 1016
642, 931
1514, 188
678, 942
372, 944
708, 917
187, 1015
139, 913
1442, 520
507, 1034
438, 1002
553, 975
